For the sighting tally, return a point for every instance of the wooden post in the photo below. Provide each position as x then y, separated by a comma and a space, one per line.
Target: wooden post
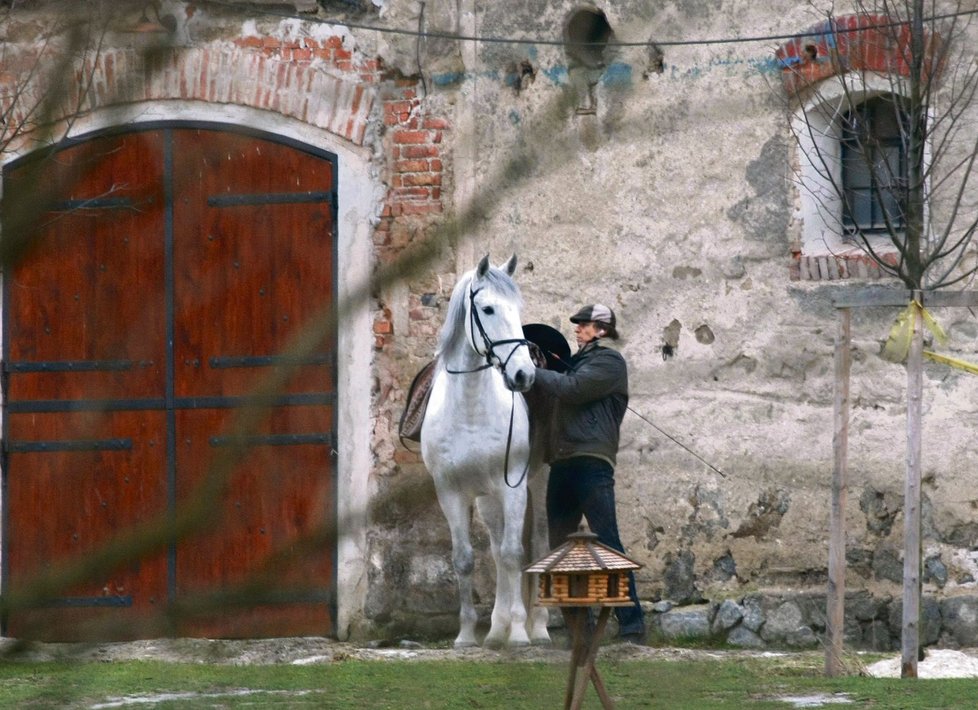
875, 297
835, 596
911, 503
582, 663
576, 620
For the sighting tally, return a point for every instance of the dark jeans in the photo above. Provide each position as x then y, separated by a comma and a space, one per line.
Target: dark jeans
586, 486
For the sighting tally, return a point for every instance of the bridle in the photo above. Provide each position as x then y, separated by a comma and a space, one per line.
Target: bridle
488, 344
493, 360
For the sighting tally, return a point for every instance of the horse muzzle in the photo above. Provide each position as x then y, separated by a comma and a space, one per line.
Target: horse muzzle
521, 380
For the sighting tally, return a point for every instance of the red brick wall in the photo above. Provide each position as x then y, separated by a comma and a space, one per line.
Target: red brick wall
875, 43
832, 267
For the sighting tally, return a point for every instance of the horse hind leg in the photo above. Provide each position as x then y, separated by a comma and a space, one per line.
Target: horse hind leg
508, 627
539, 544
458, 515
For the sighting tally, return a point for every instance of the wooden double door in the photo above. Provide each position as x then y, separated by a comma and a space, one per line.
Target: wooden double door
169, 387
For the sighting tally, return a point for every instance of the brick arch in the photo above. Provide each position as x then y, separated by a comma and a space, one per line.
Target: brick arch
859, 42
225, 74
316, 80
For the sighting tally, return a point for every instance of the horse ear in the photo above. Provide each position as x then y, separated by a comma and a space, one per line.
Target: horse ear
510, 267
483, 267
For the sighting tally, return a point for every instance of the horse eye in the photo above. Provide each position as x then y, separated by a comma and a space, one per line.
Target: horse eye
488, 310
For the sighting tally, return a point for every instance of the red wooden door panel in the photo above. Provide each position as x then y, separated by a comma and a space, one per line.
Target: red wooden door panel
166, 282
254, 267
74, 329
79, 471
82, 481
269, 531
253, 261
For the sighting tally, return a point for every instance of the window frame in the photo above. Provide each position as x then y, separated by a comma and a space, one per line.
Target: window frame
816, 127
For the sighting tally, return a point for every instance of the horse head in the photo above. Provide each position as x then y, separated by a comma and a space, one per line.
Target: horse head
493, 327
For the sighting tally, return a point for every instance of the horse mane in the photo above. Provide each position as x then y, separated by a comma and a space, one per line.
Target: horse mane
453, 330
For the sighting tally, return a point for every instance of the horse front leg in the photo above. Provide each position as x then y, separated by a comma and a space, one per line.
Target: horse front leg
505, 522
458, 514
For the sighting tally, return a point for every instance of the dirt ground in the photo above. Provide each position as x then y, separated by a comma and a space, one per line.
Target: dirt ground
319, 650
316, 650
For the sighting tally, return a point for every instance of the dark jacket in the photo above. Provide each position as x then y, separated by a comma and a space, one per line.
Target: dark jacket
589, 403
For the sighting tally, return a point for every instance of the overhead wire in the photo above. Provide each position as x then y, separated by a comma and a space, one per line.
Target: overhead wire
488, 39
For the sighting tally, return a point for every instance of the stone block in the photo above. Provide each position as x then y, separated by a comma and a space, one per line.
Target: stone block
960, 616
754, 617
782, 622
931, 620
689, 622
727, 616
744, 638
801, 637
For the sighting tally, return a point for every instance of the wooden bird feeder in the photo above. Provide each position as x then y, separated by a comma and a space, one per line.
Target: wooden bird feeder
579, 574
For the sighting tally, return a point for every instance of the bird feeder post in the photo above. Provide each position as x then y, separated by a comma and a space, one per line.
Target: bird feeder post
584, 653
581, 574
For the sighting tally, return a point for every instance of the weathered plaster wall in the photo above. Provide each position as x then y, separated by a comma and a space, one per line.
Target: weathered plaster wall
674, 202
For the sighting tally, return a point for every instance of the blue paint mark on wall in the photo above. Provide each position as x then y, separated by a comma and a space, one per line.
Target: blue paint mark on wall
769, 65
514, 117
453, 78
447, 78
617, 75
557, 74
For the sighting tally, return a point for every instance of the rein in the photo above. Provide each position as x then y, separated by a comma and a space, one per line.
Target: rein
500, 365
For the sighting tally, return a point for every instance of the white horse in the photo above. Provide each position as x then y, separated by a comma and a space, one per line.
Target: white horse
475, 443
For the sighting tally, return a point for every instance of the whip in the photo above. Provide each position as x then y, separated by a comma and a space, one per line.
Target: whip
655, 426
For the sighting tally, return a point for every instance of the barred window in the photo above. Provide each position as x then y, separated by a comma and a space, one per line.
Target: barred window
874, 165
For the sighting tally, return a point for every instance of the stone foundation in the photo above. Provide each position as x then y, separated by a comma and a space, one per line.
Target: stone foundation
797, 620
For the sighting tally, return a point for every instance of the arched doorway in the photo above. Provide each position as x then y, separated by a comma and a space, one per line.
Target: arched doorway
170, 270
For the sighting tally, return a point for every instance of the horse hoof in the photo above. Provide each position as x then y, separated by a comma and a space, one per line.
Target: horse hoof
519, 644
493, 644
464, 644
542, 643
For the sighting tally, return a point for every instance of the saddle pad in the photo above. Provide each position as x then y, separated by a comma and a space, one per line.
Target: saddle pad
417, 403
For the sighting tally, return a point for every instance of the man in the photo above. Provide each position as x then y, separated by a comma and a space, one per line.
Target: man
590, 399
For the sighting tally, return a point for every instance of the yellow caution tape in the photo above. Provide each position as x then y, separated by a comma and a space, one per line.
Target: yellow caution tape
932, 325
898, 343
952, 362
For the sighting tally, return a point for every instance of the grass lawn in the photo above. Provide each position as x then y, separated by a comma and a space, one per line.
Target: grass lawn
779, 682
